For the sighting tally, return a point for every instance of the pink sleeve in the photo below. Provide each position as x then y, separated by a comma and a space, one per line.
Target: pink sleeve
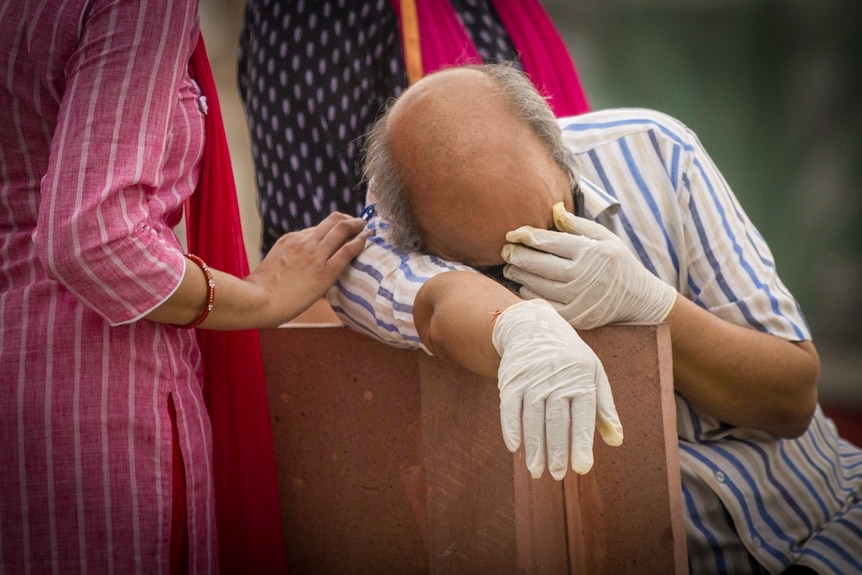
100, 231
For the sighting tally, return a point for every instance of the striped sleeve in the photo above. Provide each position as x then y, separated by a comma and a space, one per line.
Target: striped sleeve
375, 294
731, 270
753, 502
681, 218
96, 233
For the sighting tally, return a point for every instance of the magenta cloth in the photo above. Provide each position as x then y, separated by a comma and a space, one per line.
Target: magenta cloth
248, 509
543, 53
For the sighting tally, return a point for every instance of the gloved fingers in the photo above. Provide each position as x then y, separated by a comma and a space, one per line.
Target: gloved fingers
607, 420
534, 436
572, 224
558, 421
526, 293
563, 219
561, 244
547, 287
544, 263
583, 407
568, 311
510, 421
547, 264
577, 308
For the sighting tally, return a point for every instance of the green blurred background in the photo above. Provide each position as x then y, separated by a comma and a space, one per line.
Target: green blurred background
772, 88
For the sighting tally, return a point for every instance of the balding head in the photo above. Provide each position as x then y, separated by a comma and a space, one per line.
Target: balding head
464, 156
439, 128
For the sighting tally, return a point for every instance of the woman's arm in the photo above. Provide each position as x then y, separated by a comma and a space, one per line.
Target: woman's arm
123, 156
297, 272
101, 227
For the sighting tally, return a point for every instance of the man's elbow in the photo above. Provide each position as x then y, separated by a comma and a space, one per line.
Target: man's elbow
796, 409
794, 421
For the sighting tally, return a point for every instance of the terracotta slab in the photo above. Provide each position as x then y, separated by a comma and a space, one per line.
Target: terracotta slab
392, 461
485, 513
345, 413
625, 516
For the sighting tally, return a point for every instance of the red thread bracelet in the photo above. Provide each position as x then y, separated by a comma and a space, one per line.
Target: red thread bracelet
210, 293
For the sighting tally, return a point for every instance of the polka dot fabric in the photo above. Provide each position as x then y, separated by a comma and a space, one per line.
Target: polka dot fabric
313, 76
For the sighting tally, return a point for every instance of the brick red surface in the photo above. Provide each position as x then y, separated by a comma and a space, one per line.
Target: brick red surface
392, 461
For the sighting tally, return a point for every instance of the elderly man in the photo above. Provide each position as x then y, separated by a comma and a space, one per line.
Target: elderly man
468, 165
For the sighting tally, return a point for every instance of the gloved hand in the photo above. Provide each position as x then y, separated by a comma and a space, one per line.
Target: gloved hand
553, 381
588, 274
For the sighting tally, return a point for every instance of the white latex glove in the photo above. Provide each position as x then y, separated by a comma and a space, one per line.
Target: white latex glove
587, 273
552, 380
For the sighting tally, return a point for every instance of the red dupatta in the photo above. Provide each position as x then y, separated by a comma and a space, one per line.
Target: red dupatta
543, 54
248, 509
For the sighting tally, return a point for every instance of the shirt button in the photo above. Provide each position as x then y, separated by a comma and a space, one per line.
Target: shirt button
719, 476
757, 542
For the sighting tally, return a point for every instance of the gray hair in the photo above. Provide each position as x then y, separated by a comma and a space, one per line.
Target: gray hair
387, 183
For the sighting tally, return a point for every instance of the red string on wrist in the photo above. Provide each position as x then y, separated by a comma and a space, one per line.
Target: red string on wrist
210, 293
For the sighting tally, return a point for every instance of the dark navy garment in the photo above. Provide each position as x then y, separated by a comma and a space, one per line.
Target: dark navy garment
313, 76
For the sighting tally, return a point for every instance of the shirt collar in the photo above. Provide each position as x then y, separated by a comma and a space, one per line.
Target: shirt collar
596, 200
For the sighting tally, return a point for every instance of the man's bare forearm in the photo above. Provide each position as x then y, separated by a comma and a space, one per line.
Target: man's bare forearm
736, 374
742, 376
454, 315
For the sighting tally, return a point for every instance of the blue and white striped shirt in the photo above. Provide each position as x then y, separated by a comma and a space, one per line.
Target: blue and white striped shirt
753, 503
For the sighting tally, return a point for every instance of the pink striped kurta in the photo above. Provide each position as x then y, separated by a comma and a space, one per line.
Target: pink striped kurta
100, 141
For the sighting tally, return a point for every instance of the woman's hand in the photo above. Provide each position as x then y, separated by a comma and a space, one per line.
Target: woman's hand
303, 265
297, 272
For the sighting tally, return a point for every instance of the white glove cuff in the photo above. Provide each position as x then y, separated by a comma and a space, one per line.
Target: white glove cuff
663, 303
528, 310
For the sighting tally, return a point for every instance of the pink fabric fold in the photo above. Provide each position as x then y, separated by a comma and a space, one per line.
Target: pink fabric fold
543, 53
248, 509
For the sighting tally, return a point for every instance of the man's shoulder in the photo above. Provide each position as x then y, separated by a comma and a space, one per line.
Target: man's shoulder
593, 129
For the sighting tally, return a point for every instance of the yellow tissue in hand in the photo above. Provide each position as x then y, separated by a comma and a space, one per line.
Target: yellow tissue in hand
559, 212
